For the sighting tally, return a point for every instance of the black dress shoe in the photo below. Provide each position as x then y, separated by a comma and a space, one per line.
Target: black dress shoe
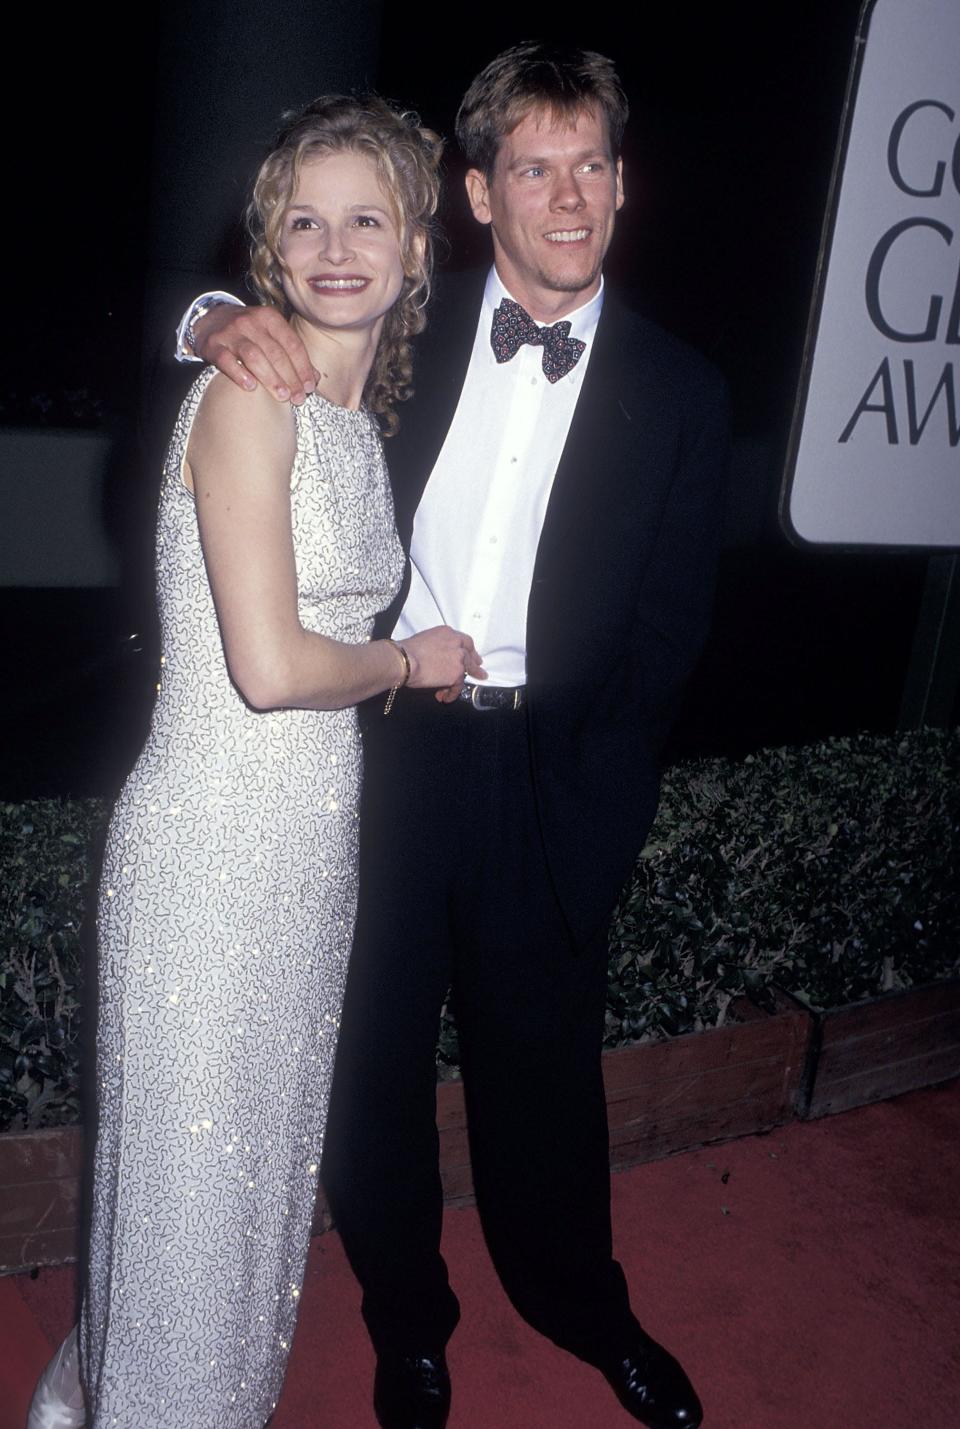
652, 1386
411, 1391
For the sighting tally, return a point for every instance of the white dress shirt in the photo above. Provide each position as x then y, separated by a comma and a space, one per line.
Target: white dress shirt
477, 528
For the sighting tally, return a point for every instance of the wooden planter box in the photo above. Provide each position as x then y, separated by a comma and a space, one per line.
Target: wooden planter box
41, 1184
41, 1174
667, 1096
735, 1080
872, 1050
757, 1072
661, 1097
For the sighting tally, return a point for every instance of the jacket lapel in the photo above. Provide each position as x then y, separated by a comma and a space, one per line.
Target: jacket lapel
613, 423
440, 367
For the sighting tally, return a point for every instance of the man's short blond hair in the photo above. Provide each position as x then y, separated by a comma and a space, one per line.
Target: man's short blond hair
568, 82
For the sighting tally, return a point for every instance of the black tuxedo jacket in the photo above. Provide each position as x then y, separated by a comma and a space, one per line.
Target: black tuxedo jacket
623, 580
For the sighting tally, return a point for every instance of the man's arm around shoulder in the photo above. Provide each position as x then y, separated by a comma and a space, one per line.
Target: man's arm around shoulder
255, 346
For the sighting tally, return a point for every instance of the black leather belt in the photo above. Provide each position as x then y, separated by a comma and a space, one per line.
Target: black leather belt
494, 697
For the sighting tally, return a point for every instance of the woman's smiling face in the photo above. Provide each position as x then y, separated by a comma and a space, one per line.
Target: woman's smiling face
340, 244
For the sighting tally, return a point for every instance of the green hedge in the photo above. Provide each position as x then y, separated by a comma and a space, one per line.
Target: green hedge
47, 851
832, 870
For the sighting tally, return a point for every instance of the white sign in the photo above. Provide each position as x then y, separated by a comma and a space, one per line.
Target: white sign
875, 449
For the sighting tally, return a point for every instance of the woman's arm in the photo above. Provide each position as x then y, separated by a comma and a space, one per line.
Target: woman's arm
239, 459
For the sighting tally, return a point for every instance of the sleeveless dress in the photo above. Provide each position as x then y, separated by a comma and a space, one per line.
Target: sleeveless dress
225, 919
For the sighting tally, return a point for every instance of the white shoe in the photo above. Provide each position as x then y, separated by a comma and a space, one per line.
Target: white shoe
58, 1399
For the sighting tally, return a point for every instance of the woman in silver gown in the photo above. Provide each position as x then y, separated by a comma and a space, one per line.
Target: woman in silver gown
229, 887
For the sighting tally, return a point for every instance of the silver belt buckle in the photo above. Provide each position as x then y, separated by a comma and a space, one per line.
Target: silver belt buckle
478, 704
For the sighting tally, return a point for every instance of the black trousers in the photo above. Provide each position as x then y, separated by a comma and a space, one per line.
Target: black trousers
454, 892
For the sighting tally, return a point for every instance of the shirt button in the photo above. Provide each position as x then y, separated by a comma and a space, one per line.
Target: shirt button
493, 540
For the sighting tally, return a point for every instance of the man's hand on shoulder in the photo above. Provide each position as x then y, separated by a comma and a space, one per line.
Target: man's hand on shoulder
255, 346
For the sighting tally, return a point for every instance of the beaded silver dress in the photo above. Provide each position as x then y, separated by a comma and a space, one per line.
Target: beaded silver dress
225, 920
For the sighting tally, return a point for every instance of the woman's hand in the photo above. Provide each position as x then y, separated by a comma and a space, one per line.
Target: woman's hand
256, 345
440, 659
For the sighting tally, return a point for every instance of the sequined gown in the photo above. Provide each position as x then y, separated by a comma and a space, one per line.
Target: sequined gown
225, 919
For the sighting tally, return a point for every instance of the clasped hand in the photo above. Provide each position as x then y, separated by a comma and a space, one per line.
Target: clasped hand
440, 660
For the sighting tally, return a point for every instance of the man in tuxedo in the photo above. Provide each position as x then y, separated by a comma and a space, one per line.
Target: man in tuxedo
557, 485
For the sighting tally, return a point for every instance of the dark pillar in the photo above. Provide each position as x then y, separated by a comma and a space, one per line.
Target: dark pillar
933, 676
226, 70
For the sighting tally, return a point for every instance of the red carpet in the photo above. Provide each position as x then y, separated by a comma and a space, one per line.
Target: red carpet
808, 1279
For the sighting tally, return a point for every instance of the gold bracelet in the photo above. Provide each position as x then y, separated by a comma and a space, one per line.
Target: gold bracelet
406, 675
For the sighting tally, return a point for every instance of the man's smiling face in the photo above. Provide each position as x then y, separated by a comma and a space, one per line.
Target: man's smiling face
551, 203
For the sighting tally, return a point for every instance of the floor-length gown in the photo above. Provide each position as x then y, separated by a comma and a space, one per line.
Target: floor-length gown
225, 920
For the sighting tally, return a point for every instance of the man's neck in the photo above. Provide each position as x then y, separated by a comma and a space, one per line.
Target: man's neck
547, 305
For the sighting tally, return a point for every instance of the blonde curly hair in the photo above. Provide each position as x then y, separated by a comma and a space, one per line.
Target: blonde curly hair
407, 158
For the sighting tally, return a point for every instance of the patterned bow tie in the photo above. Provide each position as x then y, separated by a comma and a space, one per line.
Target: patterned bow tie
513, 326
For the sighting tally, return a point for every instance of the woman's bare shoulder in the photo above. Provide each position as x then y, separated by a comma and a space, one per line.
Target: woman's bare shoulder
227, 411
240, 436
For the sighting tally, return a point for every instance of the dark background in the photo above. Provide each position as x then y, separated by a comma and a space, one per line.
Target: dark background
129, 163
